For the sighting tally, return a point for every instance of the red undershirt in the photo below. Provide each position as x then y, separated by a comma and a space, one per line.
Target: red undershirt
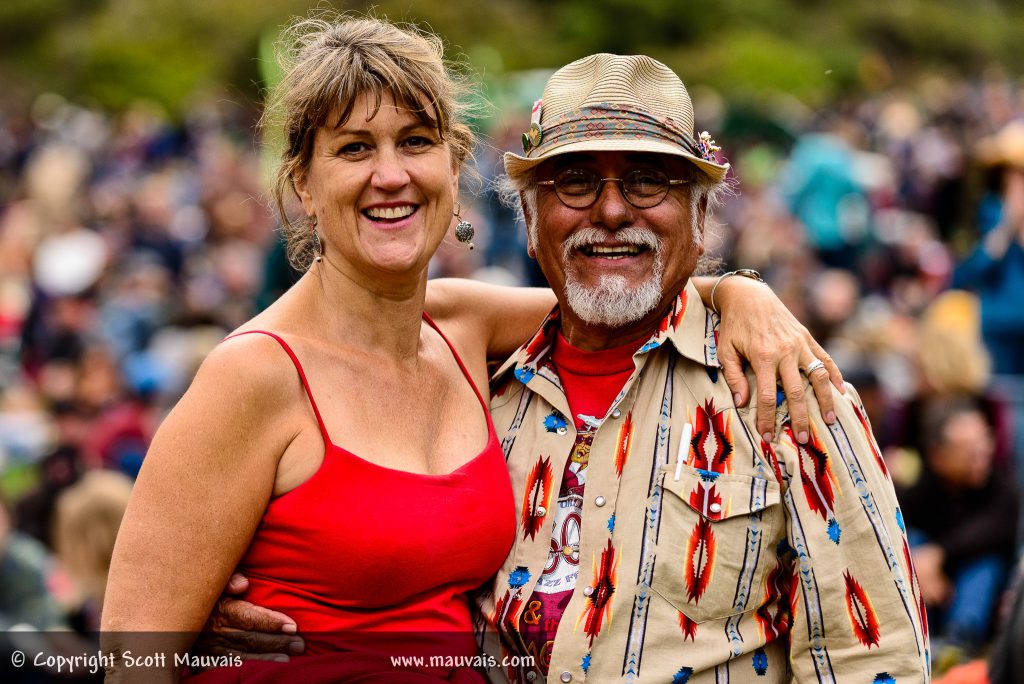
591, 381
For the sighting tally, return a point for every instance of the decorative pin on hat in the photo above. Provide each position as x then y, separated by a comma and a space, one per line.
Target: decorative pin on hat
532, 138
707, 147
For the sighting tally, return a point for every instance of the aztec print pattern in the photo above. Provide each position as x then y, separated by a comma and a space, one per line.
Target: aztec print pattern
623, 444
711, 445
600, 119
819, 481
509, 437
904, 580
537, 497
808, 579
688, 626
598, 609
652, 522
813, 613
861, 414
700, 559
862, 614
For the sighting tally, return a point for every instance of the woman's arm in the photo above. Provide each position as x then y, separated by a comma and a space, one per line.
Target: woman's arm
502, 317
758, 327
200, 495
755, 325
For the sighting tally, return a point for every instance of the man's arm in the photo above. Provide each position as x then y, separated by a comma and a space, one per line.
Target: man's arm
857, 611
255, 633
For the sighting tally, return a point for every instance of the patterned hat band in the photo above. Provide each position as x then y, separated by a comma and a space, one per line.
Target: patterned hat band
607, 122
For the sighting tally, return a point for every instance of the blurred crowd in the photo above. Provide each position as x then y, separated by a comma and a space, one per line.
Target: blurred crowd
893, 226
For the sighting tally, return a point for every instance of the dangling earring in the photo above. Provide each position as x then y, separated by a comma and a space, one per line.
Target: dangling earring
464, 230
318, 247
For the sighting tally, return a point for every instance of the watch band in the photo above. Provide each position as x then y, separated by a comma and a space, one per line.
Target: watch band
745, 272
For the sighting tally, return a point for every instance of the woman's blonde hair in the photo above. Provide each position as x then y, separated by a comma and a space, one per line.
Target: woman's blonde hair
328, 61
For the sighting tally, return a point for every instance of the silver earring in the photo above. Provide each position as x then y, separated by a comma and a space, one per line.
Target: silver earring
318, 247
464, 230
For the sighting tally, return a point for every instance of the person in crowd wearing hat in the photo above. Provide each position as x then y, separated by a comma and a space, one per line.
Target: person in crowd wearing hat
336, 447
995, 270
661, 535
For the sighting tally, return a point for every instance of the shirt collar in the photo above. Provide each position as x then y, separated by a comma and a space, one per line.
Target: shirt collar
686, 326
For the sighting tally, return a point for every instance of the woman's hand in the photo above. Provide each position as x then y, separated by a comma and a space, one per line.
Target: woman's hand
757, 326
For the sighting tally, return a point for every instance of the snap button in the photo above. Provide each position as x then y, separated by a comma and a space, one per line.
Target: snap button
541, 511
616, 413
715, 508
566, 676
562, 430
599, 501
531, 675
588, 591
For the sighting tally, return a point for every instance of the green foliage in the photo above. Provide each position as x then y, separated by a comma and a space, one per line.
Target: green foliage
168, 50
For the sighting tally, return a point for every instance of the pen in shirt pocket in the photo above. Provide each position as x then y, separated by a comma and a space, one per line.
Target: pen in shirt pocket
684, 450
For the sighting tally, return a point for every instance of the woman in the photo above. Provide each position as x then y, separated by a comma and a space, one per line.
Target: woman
336, 448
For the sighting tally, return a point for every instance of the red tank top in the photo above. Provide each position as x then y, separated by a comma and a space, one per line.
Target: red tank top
360, 552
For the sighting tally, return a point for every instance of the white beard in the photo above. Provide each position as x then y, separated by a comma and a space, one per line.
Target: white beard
611, 302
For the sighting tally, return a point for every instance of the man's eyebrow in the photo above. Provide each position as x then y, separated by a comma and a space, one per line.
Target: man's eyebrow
646, 158
564, 161
582, 158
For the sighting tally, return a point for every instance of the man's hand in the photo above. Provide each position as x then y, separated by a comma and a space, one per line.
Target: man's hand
758, 327
253, 632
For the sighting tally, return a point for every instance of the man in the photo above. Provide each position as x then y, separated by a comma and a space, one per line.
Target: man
661, 539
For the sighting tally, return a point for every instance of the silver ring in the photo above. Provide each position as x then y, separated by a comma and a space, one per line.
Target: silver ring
814, 365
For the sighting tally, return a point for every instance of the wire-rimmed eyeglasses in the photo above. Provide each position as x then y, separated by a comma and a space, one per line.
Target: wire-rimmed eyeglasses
580, 188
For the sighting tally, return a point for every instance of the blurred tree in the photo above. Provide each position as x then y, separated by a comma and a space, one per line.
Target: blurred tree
170, 50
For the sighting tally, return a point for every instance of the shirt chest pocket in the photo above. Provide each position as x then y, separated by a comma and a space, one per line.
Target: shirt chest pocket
716, 542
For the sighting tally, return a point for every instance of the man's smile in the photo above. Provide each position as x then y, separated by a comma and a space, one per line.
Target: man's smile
612, 251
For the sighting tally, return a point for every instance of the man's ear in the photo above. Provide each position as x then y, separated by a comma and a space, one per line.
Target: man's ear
531, 249
702, 213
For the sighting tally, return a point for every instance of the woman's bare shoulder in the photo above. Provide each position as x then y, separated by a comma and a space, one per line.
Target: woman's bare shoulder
249, 358
247, 383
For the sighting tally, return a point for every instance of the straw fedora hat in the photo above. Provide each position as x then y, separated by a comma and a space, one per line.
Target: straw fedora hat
608, 102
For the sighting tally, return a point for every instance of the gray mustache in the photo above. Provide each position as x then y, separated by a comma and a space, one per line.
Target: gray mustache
632, 235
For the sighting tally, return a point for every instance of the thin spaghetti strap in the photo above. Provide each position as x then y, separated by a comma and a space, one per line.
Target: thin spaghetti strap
302, 376
462, 366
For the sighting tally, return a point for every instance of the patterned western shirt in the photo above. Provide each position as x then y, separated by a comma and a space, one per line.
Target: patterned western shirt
705, 554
